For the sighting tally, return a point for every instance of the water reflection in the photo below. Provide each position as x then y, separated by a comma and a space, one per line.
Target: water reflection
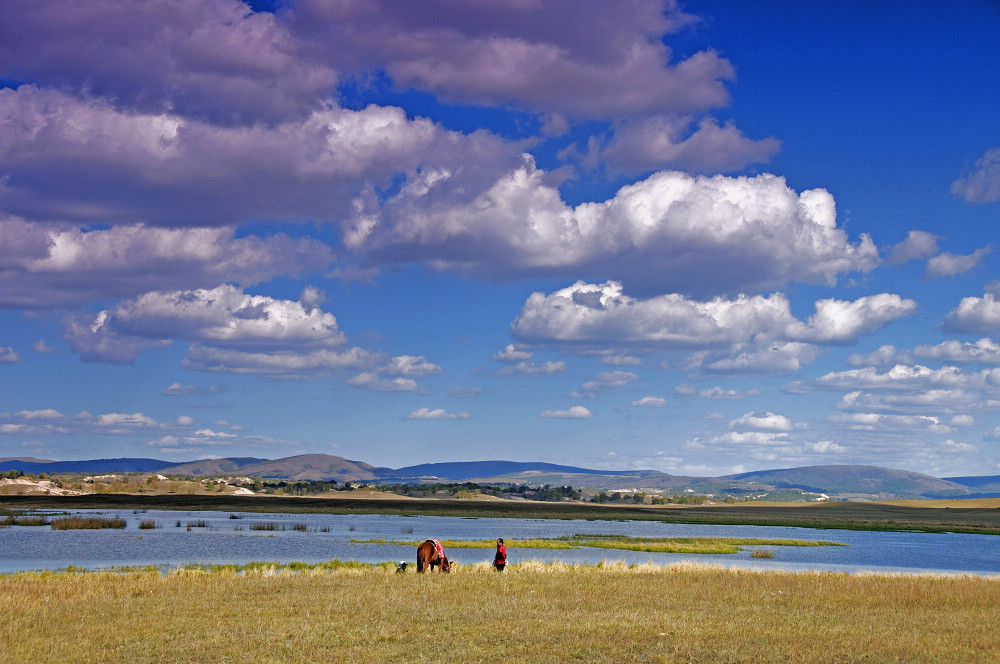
221, 537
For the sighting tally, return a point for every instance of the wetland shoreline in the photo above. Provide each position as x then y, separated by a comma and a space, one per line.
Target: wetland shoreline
831, 515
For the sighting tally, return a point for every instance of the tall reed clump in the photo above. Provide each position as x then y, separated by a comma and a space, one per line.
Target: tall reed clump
86, 522
12, 520
612, 612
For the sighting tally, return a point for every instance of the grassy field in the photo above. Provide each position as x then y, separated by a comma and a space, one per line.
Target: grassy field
954, 516
530, 613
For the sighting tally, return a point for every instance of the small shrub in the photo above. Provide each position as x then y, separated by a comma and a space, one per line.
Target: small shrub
762, 553
148, 524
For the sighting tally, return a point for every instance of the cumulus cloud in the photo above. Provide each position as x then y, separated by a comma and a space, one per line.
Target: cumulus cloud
231, 331
916, 399
665, 233
604, 382
975, 315
573, 413
178, 390
663, 142
202, 57
651, 401
904, 377
519, 362
949, 265
762, 422
982, 351
601, 314
758, 333
982, 184
885, 355
884, 422
436, 414
8, 355
717, 392
918, 245
567, 58
167, 169
49, 421
49, 265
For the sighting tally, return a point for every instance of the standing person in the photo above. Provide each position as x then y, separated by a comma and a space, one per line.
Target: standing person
500, 559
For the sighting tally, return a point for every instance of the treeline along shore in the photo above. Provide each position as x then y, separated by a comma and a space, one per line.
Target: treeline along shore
841, 515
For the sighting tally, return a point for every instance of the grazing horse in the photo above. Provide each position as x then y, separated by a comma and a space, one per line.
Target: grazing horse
430, 555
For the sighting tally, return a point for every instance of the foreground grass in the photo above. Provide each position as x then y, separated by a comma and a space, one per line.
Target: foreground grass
530, 613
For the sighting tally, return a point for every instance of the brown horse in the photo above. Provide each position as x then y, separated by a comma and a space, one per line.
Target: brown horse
430, 555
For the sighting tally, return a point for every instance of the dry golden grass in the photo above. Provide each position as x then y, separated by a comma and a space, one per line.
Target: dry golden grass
533, 612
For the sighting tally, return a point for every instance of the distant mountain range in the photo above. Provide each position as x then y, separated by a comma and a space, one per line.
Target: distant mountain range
838, 482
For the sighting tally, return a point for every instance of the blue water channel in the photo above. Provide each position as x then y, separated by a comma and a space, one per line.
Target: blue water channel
183, 538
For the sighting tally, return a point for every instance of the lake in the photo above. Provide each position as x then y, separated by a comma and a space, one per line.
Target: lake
199, 537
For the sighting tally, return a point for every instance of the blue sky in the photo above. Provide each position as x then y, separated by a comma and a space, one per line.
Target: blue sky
703, 237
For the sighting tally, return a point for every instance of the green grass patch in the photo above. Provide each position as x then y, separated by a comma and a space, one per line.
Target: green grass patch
692, 545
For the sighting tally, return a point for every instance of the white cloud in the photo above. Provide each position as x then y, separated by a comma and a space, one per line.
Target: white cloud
917, 246
903, 377
981, 185
8, 355
573, 413
223, 317
652, 402
176, 390
436, 414
512, 355
885, 355
888, 422
604, 382
916, 400
125, 419
664, 141
669, 232
231, 331
759, 333
621, 360
52, 265
762, 422
974, 315
160, 168
376, 383
717, 392
601, 314
949, 265
983, 351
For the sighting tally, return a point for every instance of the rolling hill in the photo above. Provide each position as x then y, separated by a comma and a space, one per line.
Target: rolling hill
861, 481
838, 482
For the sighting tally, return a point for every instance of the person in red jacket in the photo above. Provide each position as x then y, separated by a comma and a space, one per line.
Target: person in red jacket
500, 559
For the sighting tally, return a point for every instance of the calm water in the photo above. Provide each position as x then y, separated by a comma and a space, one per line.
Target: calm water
231, 540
